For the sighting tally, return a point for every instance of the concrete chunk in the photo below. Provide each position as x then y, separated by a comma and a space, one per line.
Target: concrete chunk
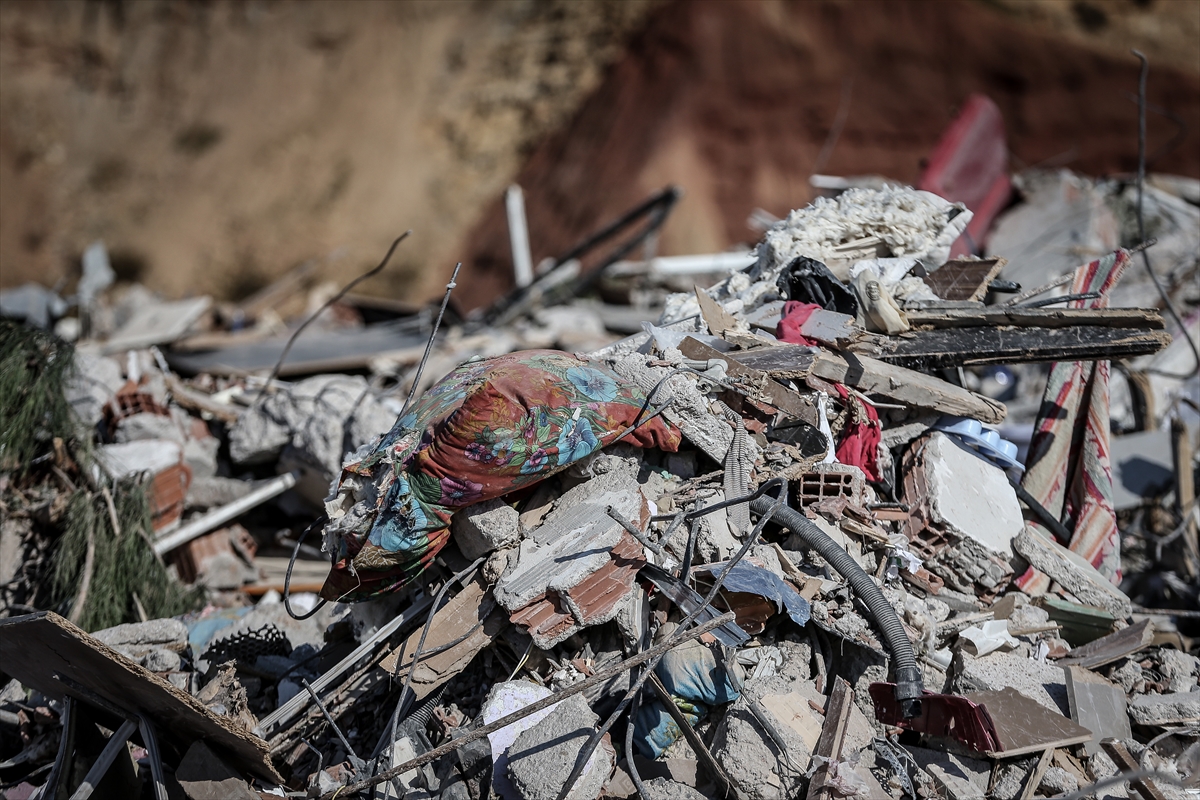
1165, 709
960, 777
971, 496
484, 527
145, 636
541, 758
1040, 682
1070, 569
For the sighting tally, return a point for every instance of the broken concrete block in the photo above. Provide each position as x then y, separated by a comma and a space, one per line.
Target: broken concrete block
161, 660
576, 568
94, 382
309, 427
1165, 709
142, 637
1071, 570
504, 699
204, 776
761, 767
970, 495
1057, 781
1179, 669
667, 789
960, 777
211, 492
689, 411
541, 758
1040, 682
484, 527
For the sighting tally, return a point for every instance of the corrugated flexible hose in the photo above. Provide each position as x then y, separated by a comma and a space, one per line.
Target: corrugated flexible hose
905, 670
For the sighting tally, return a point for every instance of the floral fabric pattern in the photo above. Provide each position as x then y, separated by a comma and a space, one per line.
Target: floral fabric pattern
488, 428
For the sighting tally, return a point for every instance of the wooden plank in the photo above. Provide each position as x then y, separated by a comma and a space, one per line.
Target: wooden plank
764, 387
1127, 763
780, 361
1036, 774
964, 278
1135, 318
966, 347
872, 376
718, 319
833, 733
1023, 725
1112, 647
48, 653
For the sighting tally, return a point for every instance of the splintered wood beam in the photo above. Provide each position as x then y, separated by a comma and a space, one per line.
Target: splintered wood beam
1135, 318
872, 376
966, 347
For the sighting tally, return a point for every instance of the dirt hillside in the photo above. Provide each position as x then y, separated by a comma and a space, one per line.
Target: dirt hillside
214, 146
735, 101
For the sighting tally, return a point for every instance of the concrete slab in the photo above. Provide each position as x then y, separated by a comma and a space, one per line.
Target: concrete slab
971, 496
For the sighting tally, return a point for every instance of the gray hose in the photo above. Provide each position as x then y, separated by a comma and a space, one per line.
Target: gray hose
907, 674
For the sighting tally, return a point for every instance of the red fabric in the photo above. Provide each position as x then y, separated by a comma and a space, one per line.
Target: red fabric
795, 314
860, 438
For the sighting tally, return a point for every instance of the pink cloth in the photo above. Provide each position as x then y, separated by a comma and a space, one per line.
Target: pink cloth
1068, 469
795, 314
860, 438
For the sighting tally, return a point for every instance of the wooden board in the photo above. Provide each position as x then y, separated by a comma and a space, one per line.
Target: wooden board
767, 389
1134, 318
48, 653
964, 278
1023, 725
967, 347
873, 376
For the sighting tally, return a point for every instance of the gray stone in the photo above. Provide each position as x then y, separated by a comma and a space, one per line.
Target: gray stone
575, 539
161, 660
95, 381
1027, 617
750, 754
1129, 676
1179, 669
1057, 781
273, 664
1075, 574
484, 527
1165, 709
960, 777
1041, 682
156, 633
1010, 778
210, 492
541, 758
667, 789
140, 427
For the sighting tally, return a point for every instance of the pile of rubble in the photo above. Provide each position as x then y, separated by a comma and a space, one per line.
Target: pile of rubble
866, 517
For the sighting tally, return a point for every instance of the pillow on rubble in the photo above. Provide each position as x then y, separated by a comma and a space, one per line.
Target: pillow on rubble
486, 429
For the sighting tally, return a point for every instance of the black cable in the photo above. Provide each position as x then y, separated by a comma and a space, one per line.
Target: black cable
1141, 217
416, 659
287, 577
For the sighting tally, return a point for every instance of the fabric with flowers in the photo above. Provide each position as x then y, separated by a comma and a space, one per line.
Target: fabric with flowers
488, 428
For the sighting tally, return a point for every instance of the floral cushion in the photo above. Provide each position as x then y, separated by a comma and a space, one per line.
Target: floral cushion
486, 429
